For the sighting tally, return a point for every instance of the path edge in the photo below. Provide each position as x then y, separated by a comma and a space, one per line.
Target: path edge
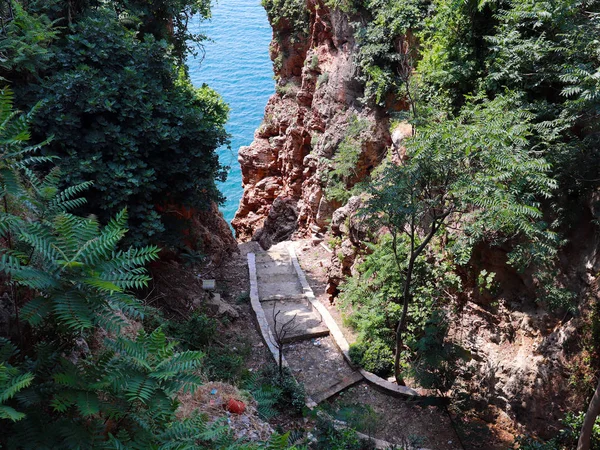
263, 324
339, 338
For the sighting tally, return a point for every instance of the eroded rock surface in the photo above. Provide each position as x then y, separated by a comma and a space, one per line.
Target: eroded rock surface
305, 122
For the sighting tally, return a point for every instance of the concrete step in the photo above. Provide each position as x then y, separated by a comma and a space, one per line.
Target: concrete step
338, 387
284, 288
299, 298
275, 268
306, 323
268, 277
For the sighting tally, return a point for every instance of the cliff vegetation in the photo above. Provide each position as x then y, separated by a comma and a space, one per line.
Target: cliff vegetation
447, 152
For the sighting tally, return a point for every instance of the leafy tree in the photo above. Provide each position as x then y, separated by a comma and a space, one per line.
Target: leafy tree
167, 20
117, 97
118, 110
475, 169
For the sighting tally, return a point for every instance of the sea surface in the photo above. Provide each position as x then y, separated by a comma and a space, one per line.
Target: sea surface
237, 65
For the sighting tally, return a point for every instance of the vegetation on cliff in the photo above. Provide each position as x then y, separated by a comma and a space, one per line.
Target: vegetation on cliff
116, 98
503, 102
83, 362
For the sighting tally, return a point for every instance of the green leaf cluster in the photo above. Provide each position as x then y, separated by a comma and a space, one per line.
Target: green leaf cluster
288, 17
119, 103
341, 178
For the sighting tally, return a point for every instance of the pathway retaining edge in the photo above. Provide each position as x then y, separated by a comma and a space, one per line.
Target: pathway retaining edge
339, 338
263, 324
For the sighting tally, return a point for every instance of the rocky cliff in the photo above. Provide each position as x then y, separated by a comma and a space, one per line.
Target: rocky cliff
285, 169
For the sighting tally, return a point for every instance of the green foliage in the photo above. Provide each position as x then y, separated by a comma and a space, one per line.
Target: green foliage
74, 282
371, 304
436, 362
332, 435
380, 58
374, 356
118, 99
289, 89
275, 392
322, 79
166, 20
542, 50
452, 54
195, 333
288, 17
243, 298
198, 332
341, 178
24, 49
495, 189
116, 107
12, 381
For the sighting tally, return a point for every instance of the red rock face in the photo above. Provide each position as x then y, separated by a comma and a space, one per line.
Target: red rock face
305, 121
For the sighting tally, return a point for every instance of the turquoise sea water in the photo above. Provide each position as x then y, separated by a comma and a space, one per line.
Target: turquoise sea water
236, 65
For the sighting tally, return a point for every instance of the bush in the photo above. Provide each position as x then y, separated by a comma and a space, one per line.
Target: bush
373, 356
343, 176
294, 12
119, 109
331, 437
274, 391
322, 79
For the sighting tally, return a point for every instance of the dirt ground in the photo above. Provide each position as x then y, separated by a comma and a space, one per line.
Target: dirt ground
475, 433
400, 421
178, 289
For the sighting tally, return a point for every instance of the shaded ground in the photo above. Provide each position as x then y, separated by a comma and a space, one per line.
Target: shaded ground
177, 291
399, 420
475, 433
318, 364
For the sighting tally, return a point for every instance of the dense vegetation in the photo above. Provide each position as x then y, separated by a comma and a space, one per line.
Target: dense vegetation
117, 100
503, 100
83, 362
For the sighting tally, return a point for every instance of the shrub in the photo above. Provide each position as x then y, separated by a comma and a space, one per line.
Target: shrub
119, 108
294, 12
373, 356
283, 393
323, 79
341, 178
290, 89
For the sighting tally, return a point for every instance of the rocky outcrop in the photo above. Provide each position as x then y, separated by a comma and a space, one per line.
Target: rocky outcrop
317, 99
211, 230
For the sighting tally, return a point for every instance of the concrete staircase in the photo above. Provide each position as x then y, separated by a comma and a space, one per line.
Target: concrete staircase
311, 353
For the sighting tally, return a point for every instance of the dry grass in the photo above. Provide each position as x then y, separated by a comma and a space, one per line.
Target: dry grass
247, 425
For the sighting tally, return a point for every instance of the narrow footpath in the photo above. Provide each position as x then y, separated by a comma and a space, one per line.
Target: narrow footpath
309, 350
316, 351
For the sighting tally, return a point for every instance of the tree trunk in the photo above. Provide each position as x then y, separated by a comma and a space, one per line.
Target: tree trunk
402, 322
280, 348
590, 418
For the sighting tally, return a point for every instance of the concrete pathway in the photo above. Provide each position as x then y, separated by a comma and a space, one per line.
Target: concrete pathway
310, 352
